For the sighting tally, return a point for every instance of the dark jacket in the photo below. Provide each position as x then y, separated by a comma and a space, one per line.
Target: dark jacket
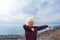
32, 35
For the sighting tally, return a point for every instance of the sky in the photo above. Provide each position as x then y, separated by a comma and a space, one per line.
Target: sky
13, 14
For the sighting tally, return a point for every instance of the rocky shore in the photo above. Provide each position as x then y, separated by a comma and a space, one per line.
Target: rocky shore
53, 34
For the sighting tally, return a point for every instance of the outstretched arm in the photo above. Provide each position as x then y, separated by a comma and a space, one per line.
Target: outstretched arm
41, 27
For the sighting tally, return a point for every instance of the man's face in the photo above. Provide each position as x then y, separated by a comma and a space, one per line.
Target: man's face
31, 23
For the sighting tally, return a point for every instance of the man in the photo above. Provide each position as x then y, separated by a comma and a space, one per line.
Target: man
31, 30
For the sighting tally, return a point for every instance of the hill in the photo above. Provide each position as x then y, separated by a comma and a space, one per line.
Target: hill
53, 34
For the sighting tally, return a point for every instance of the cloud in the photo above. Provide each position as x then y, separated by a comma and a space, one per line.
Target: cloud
48, 13
10, 10
5, 6
44, 10
19, 10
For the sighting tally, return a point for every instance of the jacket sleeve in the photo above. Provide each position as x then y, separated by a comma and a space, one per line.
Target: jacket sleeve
41, 27
26, 27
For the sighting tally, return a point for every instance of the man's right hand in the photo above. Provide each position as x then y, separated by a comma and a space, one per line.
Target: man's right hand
32, 29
